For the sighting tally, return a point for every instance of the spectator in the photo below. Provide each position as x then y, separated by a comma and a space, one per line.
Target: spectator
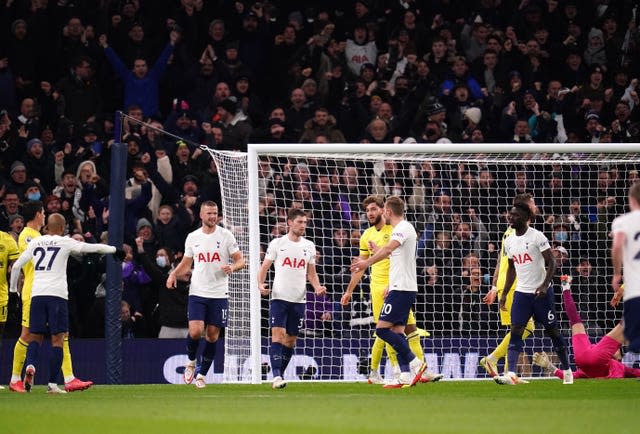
141, 84
172, 302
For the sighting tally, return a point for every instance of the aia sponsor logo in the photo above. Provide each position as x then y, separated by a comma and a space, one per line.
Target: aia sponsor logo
294, 262
208, 257
522, 259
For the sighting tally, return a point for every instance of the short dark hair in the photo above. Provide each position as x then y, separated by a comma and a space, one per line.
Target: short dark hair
294, 213
521, 206
522, 198
31, 208
208, 203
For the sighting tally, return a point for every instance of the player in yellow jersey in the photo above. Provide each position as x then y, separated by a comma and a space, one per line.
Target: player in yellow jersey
377, 235
8, 253
489, 363
33, 213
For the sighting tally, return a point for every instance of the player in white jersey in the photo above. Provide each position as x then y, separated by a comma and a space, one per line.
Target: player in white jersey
625, 255
214, 254
403, 287
530, 259
294, 259
49, 293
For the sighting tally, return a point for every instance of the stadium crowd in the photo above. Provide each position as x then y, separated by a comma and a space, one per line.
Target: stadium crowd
225, 73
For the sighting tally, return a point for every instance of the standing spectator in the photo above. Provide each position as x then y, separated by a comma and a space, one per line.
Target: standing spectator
141, 84
360, 50
172, 303
82, 98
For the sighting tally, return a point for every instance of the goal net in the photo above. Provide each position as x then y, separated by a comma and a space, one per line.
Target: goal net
456, 197
457, 203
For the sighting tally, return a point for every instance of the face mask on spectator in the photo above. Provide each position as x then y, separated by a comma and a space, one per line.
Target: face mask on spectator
34, 196
561, 236
161, 261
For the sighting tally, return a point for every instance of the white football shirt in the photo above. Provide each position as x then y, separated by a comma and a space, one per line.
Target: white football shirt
402, 263
210, 252
526, 252
290, 259
629, 224
49, 254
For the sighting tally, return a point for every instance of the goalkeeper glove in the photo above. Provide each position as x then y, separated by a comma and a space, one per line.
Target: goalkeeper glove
119, 255
542, 360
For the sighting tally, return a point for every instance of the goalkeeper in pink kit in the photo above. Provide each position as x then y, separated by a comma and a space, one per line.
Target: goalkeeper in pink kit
593, 360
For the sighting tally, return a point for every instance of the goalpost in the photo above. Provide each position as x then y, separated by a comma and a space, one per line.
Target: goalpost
456, 196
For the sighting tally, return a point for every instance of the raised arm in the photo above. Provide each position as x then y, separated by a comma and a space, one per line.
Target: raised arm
113, 59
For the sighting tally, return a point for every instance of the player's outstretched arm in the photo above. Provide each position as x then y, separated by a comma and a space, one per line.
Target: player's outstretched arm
382, 253
355, 279
262, 275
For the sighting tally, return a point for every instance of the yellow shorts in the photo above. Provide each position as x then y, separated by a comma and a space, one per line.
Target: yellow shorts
4, 311
377, 300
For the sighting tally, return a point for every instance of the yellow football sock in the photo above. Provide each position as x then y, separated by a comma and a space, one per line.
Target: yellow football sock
501, 349
391, 354
19, 356
376, 353
416, 345
67, 366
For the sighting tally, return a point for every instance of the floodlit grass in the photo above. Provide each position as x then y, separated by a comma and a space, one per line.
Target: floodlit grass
588, 406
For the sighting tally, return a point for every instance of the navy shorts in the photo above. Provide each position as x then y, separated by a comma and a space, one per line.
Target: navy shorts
51, 311
396, 307
213, 311
526, 305
288, 315
632, 323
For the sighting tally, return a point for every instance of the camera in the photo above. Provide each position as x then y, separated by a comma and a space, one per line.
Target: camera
564, 91
430, 132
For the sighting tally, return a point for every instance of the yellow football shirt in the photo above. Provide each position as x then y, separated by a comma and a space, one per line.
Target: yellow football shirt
8, 252
379, 270
25, 237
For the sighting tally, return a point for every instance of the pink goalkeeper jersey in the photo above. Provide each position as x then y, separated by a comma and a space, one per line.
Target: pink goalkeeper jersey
615, 369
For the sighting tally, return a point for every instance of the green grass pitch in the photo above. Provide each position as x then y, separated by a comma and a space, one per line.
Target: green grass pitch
588, 406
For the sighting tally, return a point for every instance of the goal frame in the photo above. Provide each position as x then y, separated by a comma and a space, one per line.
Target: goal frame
255, 150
